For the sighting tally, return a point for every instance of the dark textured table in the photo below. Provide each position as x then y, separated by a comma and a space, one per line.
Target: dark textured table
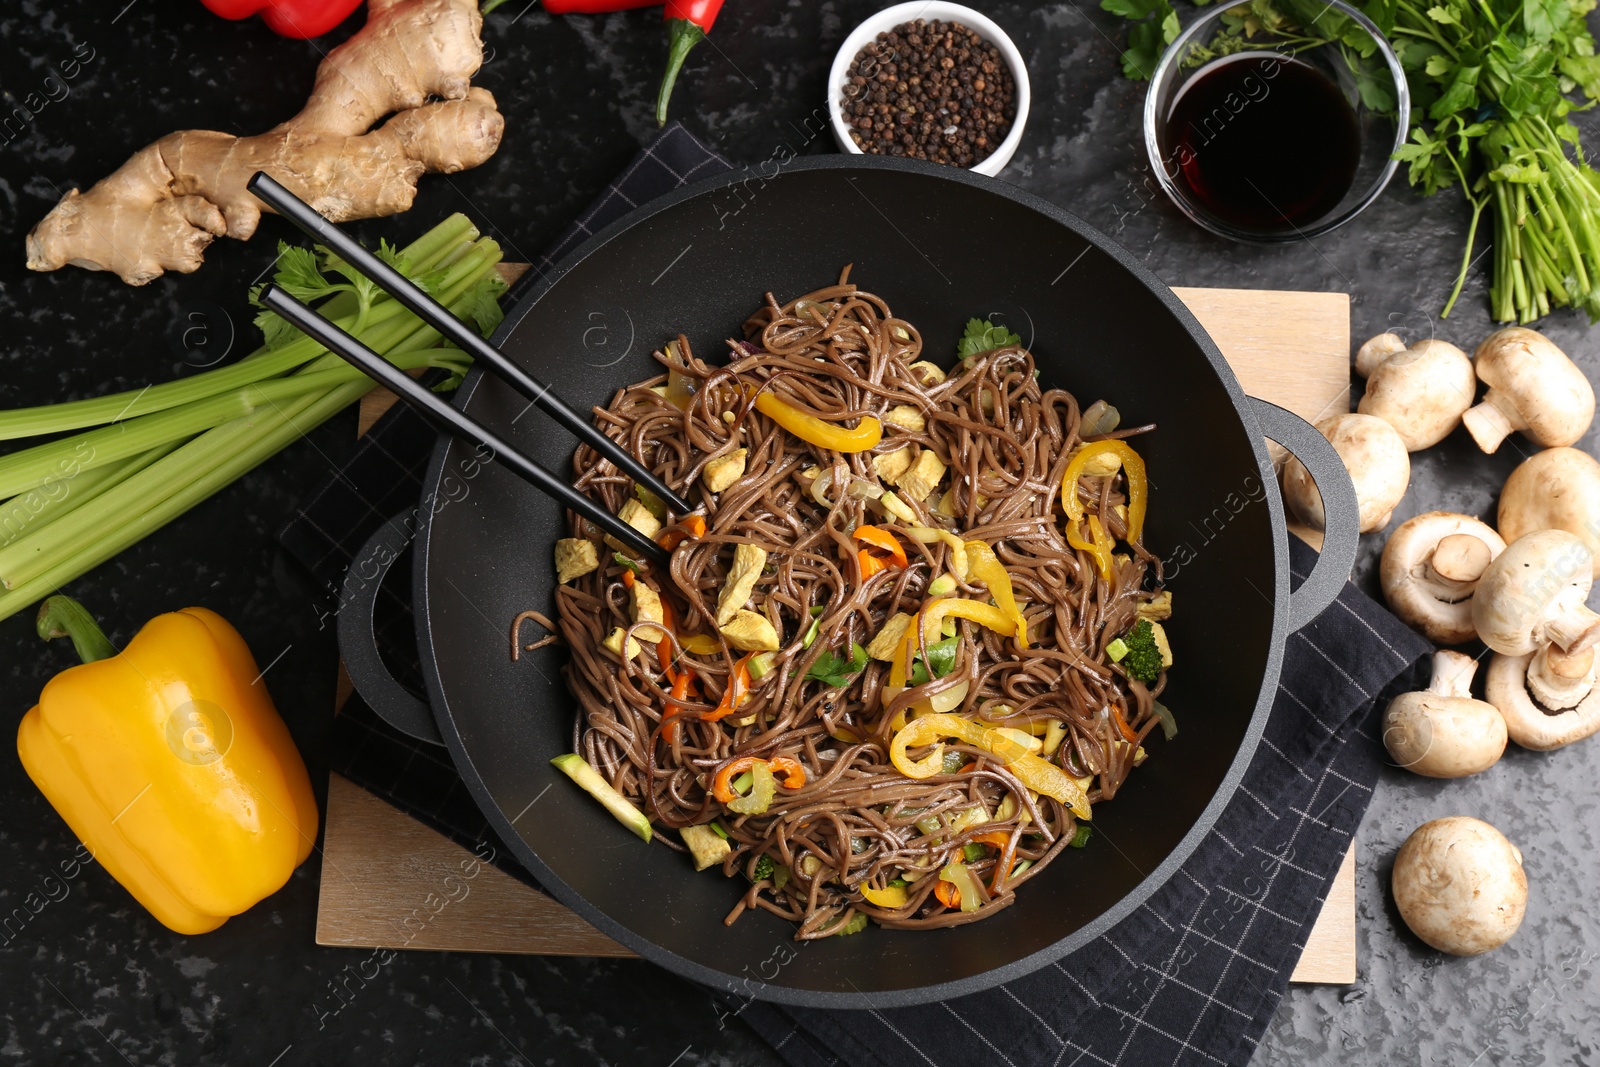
88, 977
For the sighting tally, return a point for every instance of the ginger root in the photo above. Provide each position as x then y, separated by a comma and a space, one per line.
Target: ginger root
413, 60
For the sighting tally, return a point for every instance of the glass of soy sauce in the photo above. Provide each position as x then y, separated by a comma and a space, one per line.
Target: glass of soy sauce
1267, 139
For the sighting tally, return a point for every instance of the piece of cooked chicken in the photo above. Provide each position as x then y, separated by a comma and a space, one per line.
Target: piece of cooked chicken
646, 607
924, 476
888, 639
638, 516
907, 418
723, 471
749, 632
891, 465
575, 557
748, 563
613, 641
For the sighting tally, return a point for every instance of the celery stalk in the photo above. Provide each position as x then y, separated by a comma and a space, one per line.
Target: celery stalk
78, 539
37, 508
31, 467
438, 247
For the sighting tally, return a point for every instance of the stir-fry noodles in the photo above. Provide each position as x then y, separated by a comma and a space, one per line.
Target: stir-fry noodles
890, 667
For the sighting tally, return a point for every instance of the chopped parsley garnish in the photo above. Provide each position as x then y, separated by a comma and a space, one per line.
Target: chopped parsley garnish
835, 671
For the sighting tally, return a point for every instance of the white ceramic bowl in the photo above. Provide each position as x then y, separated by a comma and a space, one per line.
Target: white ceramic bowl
888, 19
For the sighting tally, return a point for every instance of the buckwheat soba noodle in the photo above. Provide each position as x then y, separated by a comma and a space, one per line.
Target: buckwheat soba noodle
888, 670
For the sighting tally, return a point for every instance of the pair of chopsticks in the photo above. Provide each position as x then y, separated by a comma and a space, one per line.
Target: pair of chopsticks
442, 415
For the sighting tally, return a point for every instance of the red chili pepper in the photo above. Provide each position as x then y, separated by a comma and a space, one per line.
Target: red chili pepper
594, 7
688, 21
288, 18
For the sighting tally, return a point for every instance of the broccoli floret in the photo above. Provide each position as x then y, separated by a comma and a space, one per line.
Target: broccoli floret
764, 868
1142, 660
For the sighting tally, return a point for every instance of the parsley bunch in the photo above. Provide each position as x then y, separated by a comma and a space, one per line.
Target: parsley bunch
1493, 84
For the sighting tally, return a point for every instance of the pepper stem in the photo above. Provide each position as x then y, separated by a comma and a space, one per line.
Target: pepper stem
61, 616
682, 35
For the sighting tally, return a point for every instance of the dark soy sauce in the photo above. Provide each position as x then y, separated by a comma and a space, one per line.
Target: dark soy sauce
1263, 141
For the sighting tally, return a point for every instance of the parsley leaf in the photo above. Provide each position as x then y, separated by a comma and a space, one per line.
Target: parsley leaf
941, 657
1155, 27
984, 336
836, 672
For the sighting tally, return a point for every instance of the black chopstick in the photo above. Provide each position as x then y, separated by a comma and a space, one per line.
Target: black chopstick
451, 420
435, 314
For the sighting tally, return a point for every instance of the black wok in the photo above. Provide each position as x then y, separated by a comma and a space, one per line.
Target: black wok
940, 246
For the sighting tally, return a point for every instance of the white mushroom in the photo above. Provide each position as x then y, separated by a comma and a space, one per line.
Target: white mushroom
1375, 350
1441, 732
1557, 489
1422, 392
1533, 387
1533, 594
1460, 886
1373, 453
1547, 698
1431, 565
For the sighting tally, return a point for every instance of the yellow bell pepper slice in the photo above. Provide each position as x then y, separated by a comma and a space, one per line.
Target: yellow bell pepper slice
1132, 469
170, 763
986, 567
958, 548
893, 896
1100, 544
700, 644
815, 431
933, 615
1040, 775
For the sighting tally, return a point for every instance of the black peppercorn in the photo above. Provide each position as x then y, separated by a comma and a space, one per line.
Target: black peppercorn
930, 90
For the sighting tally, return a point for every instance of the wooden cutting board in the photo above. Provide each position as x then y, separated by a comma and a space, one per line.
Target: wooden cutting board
390, 881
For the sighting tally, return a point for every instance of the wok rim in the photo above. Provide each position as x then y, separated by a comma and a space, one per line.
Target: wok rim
910, 996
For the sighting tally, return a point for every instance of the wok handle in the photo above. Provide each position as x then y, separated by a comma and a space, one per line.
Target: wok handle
1342, 533
358, 639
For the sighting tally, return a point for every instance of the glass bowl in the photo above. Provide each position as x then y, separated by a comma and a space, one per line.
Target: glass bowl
1380, 131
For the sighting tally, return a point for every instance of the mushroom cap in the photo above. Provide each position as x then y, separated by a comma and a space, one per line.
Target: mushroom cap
1557, 489
1460, 886
1373, 453
1439, 609
1528, 724
1443, 737
1537, 380
1374, 350
1533, 594
1422, 392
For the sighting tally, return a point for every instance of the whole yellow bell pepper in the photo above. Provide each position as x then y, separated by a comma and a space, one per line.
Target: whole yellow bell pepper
171, 764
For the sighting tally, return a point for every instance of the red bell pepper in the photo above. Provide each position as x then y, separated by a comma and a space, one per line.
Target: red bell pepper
688, 21
288, 18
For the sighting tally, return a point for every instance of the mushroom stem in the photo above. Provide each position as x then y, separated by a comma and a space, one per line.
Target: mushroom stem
1493, 420
1562, 665
1460, 558
1574, 628
1560, 681
1452, 674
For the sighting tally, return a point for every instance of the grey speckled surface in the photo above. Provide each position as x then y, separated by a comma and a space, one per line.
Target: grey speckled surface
91, 979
